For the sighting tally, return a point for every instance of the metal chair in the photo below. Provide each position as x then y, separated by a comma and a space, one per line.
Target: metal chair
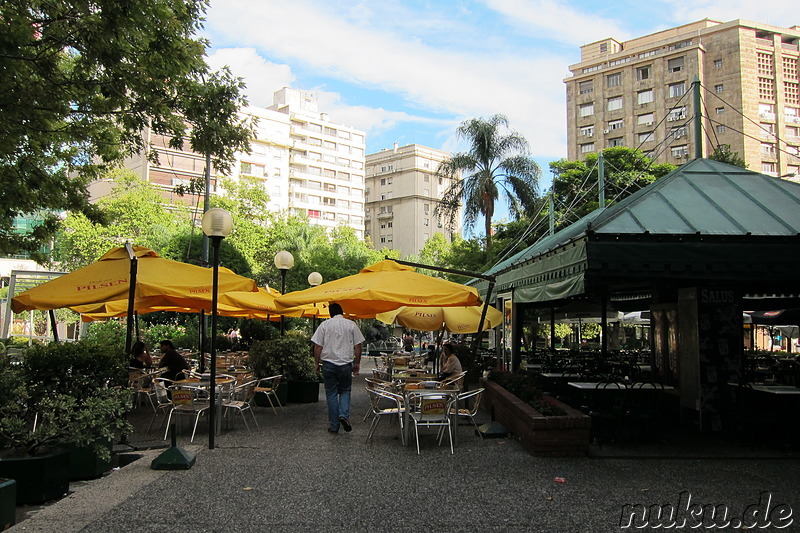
469, 412
269, 388
185, 404
378, 399
241, 400
434, 411
163, 402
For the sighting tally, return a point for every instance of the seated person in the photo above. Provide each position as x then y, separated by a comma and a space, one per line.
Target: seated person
451, 366
174, 361
140, 357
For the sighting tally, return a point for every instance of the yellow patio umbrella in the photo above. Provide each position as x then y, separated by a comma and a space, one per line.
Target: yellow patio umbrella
119, 309
262, 304
164, 281
382, 287
453, 319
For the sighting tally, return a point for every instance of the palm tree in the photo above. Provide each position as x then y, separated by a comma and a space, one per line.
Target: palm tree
498, 160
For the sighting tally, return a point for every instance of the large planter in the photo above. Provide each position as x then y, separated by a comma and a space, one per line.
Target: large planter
39, 477
549, 436
303, 391
262, 401
8, 503
84, 462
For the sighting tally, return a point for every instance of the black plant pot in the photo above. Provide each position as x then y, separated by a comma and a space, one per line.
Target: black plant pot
8, 503
303, 391
84, 462
39, 477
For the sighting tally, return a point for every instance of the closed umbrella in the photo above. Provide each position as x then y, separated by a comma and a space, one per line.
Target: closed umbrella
453, 319
382, 287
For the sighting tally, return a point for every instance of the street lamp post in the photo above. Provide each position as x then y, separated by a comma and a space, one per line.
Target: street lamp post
283, 261
217, 224
314, 279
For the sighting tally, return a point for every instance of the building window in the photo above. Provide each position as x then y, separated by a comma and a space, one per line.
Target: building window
765, 65
718, 88
426, 178
792, 131
644, 73
330, 131
587, 148
792, 114
766, 111
678, 132
646, 137
615, 103
767, 150
721, 128
645, 120
603, 47
586, 110
614, 80
426, 208
585, 87
768, 167
615, 124
587, 131
790, 68
246, 168
679, 151
426, 222
675, 64
644, 97
678, 113
314, 213
617, 141
383, 181
766, 89
677, 89
790, 93
717, 63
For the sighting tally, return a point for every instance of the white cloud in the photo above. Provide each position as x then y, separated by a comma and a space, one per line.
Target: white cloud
526, 88
558, 21
262, 77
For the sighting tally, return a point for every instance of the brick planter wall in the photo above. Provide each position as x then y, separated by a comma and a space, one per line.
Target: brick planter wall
548, 436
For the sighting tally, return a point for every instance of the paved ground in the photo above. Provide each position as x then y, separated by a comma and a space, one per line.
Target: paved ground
292, 475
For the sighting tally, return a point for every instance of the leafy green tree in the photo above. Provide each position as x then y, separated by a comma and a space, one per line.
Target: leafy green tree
136, 213
723, 154
575, 182
81, 81
497, 163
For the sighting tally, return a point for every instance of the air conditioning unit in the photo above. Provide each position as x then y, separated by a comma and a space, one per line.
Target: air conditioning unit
648, 123
606, 131
670, 118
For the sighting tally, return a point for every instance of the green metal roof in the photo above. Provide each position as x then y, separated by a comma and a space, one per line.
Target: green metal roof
702, 197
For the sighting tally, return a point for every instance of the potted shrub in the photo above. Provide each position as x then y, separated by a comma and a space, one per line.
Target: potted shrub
61, 396
543, 425
290, 356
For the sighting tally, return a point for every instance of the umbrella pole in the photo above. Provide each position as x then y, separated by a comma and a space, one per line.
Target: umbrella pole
53, 324
131, 296
202, 330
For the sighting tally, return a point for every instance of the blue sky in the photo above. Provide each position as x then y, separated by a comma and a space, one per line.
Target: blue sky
409, 71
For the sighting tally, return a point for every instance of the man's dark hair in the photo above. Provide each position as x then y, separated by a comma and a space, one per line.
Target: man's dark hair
335, 309
167, 342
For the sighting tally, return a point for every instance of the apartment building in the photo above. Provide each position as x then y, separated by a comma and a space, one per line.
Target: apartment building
402, 192
637, 93
326, 163
307, 163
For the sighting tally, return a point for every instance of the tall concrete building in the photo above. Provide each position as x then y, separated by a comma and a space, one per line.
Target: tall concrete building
326, 163
402, 191
306, 163
637, 93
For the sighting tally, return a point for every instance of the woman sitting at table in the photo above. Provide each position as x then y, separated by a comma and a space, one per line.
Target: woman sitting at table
450, 365
140, 357
174, 361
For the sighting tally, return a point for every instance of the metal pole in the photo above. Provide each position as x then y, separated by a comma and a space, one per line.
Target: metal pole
601, 177
131, 296
207, 205
283, 291
212, 426
698, 119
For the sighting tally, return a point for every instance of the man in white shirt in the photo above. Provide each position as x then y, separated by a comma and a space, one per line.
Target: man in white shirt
337, 343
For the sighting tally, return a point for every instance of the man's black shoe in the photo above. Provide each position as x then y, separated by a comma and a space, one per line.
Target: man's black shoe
334, 431
345, 424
